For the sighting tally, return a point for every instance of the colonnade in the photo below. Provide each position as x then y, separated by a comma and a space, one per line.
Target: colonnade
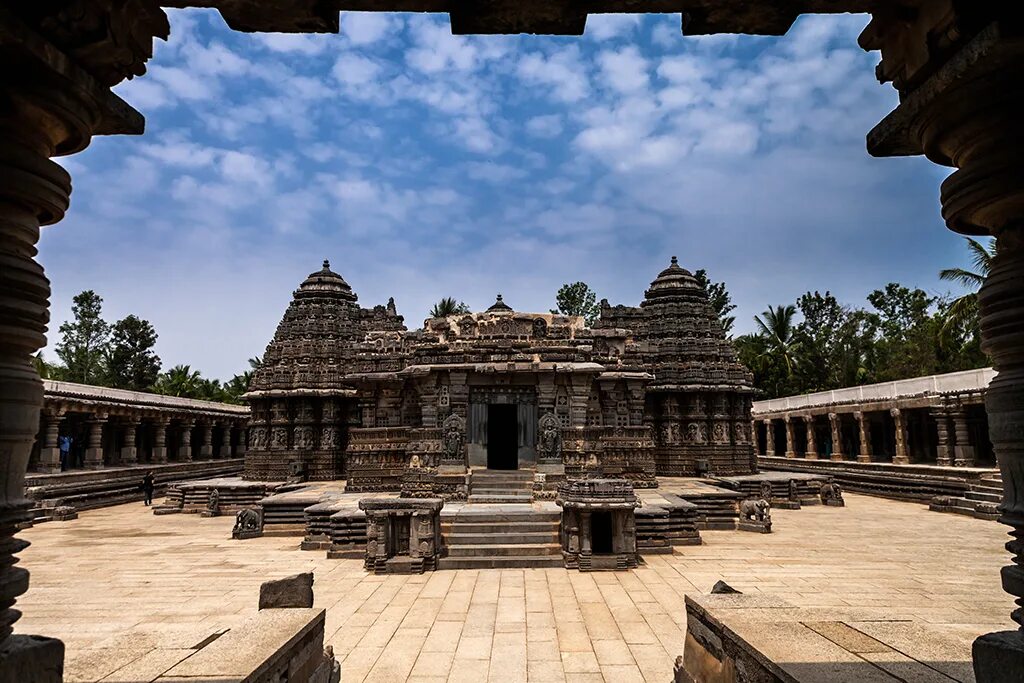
126, 439
854, 434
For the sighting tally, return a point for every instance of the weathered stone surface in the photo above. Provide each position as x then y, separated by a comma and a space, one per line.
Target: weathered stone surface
722, 587
291, 591
32, 658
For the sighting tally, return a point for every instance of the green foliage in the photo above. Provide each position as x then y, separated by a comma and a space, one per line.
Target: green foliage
577, 299
84, 340
181, 380
129, 360
448, 306
904, 333
719, 299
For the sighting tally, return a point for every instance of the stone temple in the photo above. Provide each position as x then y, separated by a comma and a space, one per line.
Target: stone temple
347, 392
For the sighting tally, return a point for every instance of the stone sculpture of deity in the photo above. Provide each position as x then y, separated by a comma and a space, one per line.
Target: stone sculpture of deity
453, 437
550, 438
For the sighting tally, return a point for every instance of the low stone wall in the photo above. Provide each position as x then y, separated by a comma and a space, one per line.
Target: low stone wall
660, 527
919, 483
87, 489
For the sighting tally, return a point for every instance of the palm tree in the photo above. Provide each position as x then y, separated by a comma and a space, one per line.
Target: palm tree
256, 362
448, 306
962, 313
777, 328
181, 380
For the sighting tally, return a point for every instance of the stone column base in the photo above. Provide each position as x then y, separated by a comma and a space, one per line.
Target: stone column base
159, 454
839, 457
129, 455
94, 458
999, 657
32, 658
863, 457
901, 461
49, 460
810, 456
206, 452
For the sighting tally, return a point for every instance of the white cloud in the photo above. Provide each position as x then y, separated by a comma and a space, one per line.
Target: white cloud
299, 43
492, 172
436, 49
546, 126
354, 70
562, 71
366, 28
624, 70
605, 26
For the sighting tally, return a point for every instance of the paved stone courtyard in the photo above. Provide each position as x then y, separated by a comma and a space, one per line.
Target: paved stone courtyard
122, 569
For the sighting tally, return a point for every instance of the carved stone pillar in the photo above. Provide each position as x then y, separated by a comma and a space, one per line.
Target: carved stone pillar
900, 427
185, 441
812, 439
790, 441
943, 451
578, 398
129, 449
206, 440
225, 441
836, 423
94, 452
755, 437
160, 440
49, 454
963, 451
864, 427
243, 440
769, 438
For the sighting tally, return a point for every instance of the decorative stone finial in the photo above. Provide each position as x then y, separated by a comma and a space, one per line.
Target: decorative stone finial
327, 264
675, 261
499, 297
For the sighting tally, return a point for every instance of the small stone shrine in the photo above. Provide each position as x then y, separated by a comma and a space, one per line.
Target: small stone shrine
403, 535
832, 495
598, 530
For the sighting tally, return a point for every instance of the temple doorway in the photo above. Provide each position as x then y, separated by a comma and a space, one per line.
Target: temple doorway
502, 437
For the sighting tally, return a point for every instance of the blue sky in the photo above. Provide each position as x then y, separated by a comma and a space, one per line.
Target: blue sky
426, 165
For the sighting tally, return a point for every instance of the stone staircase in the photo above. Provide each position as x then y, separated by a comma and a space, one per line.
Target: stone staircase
501, 486
980, 500
498, 536
500, 527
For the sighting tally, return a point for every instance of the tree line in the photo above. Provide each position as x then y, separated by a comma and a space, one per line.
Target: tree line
121, 355
818, 343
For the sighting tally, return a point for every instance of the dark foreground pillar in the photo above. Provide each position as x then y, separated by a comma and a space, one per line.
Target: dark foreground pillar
959, 73
55, 75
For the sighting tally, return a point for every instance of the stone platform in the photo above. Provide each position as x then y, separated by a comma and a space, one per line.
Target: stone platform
88, 489
119, 569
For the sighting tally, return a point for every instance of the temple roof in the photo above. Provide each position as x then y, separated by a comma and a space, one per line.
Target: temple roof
499, 305
325, 282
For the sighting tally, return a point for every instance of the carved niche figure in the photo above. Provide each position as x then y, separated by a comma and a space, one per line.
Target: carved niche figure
329, 438
540, 328
766, 490
213, 504
303, 437
794, 491
550, 437
755, 510
279, 438
454, 439
258, 439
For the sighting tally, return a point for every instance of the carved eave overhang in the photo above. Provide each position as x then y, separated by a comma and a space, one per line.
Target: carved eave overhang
34, 62
300, 392
551, 17
628, 376
734, 388
495, 368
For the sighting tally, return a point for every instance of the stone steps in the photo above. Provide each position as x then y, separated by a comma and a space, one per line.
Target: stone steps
524, 538
984, 496
499, 562
500, 499
516, 536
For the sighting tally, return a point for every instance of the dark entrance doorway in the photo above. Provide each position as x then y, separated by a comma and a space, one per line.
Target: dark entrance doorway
601, 532
502, 437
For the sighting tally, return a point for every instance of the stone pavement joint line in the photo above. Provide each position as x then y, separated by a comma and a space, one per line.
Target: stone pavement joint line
131, 594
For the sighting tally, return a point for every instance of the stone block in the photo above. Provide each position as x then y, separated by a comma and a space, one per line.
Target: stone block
32, 658
755, 526
291, 591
